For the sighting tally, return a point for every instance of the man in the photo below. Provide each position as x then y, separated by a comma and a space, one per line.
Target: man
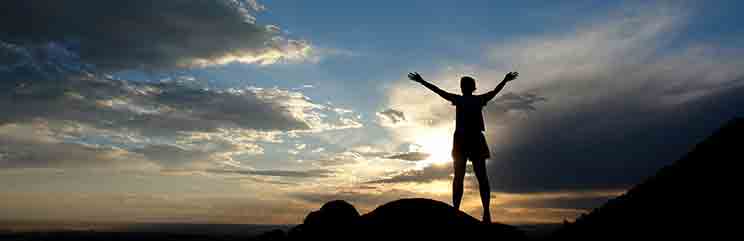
469, 142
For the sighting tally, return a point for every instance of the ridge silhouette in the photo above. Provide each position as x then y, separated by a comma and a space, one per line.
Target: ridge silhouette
680, 201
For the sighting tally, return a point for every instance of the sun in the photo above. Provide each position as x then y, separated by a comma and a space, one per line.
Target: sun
437, 143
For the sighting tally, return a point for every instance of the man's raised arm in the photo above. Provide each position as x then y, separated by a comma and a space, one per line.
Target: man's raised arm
509, 77
444, 94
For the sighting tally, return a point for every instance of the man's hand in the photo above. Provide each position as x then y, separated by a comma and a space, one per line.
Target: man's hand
511, 76
415, 76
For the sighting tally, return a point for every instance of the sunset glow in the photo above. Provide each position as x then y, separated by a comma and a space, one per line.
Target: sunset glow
229, 111
437, 142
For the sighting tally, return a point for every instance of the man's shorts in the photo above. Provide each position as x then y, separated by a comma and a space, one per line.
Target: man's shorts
470, 145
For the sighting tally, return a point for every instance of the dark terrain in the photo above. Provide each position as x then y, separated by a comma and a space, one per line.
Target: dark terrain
687, 199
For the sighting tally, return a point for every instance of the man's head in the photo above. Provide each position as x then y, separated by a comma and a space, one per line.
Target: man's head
467, 85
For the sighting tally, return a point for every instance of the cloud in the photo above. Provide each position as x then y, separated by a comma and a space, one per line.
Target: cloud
55, 70
147, 34
173, 124
35, 145
169, 124
391, 116
410, 156
511, 101
427, 174
317, 117
313, 173
172, 158
371, 151
154, 108
60, 87
337, 159
612, 119
600, 107
55, 144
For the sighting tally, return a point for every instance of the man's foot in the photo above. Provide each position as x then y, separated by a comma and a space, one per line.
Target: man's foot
487, 218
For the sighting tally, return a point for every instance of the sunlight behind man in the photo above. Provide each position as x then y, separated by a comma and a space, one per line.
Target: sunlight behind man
437, 142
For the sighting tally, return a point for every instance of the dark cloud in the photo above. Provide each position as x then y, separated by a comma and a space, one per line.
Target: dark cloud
276, 173
512, 101
20, 154
410, 156
240, 108
428, 174
50, 84
173, 157
59, 87
52, 54
612, 143
116, 35
601, 107
392, 115
142, 119
34, 146
160, 108
609, 143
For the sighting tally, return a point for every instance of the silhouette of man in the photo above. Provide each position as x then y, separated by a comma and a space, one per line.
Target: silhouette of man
469, 142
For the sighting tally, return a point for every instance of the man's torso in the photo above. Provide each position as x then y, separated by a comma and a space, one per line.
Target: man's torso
469, 113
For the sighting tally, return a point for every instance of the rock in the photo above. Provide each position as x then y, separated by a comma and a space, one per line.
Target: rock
333, 220
419, 218
336, 212
417, 211
413, 219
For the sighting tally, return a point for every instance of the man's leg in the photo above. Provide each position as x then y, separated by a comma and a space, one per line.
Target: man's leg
457, 183
479, 167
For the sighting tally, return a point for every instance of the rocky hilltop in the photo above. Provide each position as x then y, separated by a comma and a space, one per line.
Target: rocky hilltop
404, 219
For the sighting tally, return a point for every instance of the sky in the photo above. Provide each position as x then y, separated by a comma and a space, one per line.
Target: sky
246, 111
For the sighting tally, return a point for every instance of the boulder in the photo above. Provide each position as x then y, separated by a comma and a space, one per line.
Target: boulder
337, 212
419, 218
334, 220
413, 219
